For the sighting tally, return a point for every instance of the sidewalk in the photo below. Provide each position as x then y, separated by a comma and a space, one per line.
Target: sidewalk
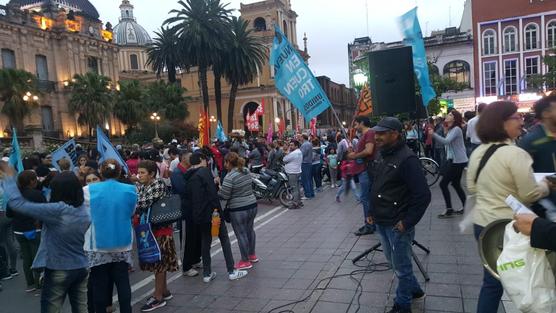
299, 248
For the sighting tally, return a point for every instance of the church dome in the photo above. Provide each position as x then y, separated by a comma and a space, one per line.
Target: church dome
83, 6
128, 32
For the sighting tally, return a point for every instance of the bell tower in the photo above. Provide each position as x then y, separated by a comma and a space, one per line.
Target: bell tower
263, 15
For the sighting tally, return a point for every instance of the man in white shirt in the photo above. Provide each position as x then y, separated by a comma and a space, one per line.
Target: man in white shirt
292, 166
471, 132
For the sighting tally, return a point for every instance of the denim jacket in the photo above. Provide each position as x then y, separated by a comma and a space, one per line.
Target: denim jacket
63, 231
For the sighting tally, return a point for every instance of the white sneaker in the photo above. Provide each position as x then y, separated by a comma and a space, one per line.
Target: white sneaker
198, 265
191, 273
207, 279
237, 274
304, 198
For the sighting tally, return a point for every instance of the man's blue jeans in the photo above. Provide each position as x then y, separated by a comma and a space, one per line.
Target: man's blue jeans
491, 290
364, 191
307, 179
397, 249
58, 284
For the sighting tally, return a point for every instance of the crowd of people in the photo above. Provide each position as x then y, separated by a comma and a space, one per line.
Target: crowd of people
75, 227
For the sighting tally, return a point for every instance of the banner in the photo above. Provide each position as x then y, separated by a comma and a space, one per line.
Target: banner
365, 103
66, 151
260, 108
270, 133
107, 151
15, 154
203, 129
220, 135
409, 24
294, 79
252, 121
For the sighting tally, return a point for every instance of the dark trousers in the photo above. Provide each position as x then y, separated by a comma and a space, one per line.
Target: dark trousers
317, 175
491, 290
243, 225
102, 279
61, 283
29, 249
7, 241
452, 175
192, 249
206, 242
307, 179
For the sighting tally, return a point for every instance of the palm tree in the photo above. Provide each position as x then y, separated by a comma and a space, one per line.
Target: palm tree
91, 99
245, 56
129, 105
163, 53
199, 24
14, 85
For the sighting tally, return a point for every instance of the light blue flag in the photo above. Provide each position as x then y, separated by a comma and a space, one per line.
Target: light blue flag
220, 135
409, 24
15, 154
66, 151
294, 79
107, 150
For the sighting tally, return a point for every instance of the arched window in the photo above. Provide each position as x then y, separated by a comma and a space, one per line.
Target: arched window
458, 71
489, 42
531, 37
259, 24
551, 34
134, 61
285, 29
510, 39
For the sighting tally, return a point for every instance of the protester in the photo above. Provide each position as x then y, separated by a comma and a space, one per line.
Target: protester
456, 161
241, 204
200, 189
363, 154
27, 230
293, 166
400, 196
150, 190
332, 160
307, 168
275, 156
471, 132
60, 253
82, 166
542, 231
347, 169
132, 163
92, 177
108, 242
412, 137
7, 248
507, 171
316, 165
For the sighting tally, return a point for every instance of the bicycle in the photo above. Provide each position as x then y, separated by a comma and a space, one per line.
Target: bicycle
431, 169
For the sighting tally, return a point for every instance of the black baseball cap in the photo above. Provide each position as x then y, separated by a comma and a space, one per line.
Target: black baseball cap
388, 124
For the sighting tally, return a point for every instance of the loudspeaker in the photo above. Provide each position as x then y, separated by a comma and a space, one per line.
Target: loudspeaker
392, 81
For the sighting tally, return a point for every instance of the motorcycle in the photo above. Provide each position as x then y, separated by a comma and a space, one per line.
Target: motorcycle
270, 185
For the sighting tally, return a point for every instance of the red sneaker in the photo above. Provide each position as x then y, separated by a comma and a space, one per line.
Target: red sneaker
243, 265
253, 259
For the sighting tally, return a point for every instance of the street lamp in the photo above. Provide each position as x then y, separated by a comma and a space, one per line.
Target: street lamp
212, 119
155, 118
277, 120
29, 96
344, 123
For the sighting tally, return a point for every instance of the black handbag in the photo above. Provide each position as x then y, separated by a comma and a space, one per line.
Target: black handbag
166, 210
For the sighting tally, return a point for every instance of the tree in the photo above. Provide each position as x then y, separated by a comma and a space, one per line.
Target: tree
199, 24
129, 105
538, 82
441, 84
245, 56
167, 99
163, 53
91, 99
14, 86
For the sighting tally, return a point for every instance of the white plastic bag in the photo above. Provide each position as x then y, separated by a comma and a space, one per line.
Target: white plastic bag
526, 274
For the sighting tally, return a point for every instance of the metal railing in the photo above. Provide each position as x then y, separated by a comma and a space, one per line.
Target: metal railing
46, 85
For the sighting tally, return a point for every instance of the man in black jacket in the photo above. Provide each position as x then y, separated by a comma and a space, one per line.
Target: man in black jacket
400, 195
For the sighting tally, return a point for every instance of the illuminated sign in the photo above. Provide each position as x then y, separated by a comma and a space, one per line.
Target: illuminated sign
43, 22
73, 26
107, 35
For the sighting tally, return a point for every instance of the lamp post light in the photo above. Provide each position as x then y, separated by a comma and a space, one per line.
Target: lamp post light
212, 119
30, 97
277, 120
155, 118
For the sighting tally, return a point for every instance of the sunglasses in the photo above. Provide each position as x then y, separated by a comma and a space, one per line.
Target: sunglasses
516, 116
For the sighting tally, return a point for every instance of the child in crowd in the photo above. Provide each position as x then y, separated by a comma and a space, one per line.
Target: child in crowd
346, 168
332, 166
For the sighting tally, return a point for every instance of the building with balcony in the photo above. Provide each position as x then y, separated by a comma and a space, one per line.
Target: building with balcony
55, 40
511, 39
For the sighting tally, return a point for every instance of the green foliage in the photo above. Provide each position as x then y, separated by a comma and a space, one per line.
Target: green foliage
129, 106
167, 130
14, 84
167, 99
441, 84
91, 99
536, 83
162, 53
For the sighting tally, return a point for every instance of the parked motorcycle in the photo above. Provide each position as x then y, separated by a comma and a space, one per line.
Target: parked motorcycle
270, 185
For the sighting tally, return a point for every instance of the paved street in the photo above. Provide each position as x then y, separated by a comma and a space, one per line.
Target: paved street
299, 250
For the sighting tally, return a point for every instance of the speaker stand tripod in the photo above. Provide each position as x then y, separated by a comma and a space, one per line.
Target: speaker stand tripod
415, 258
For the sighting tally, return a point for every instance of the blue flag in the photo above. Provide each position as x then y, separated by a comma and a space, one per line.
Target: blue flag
294, 79
15, 154
220, 135
409, 24
67, 151
107, 150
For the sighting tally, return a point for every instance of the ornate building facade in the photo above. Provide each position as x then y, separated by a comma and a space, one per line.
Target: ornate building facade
55, 40
344, 102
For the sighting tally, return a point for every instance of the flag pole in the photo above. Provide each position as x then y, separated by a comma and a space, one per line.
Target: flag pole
339, 122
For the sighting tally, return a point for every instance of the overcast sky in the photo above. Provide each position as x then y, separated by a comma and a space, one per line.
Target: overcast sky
330, 24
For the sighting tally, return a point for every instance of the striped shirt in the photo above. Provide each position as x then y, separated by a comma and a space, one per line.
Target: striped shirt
237, 189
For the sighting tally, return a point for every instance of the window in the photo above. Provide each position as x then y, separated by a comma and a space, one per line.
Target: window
531, 35
8, 58
259, 24
92, 65
42, 67
285, 29
134, 62
47, 121
489, 77
531, 67
489, 42
551, 35
510, 39
458, 71
510, 73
